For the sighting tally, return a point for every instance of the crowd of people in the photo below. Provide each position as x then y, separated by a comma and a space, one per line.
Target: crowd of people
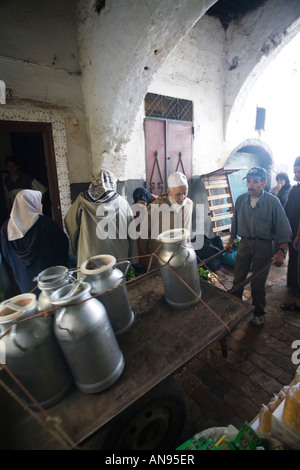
102, 221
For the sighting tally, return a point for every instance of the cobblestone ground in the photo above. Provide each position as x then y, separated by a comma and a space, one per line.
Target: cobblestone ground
223, 391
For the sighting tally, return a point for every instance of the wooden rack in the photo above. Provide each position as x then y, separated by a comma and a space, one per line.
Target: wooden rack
220, 201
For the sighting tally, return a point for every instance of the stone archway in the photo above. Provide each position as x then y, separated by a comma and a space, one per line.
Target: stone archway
270, 30
121, 48
249, 153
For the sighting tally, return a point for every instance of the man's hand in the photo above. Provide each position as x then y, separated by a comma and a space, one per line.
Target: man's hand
295, 243
228, 248
277, 188
279, 257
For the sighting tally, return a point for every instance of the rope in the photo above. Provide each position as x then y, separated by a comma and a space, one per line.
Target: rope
48, 312
195, 294
202, 263
49, 422
250, 278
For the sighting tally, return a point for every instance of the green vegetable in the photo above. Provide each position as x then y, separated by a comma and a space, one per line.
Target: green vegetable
235, 242
131, 274
203, 273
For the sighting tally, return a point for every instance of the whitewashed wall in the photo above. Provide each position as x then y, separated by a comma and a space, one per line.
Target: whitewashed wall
220, 72
39, 63
120, 51
194, 71
94, 69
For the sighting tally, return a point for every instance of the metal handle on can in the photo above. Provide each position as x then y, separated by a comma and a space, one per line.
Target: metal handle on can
186, 259
59, 320
127, 267
13, 335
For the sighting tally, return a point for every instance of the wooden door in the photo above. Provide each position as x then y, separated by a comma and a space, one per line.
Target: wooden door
155, 156
179, 148
168, 149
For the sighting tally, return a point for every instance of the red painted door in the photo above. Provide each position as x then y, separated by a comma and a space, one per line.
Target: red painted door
155, 156
179, 148
168, 149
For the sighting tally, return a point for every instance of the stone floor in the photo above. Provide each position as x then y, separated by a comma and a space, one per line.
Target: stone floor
223, 391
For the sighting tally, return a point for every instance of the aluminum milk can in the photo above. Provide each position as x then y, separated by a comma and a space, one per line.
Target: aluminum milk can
49, 280
105, 278
84, 332
32, 352
182, 259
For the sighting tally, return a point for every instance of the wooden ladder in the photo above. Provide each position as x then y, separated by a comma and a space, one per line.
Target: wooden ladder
220, 202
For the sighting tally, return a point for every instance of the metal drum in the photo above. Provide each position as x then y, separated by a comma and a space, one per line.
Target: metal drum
48, 281
102, 274
84, 332
182, 259
32, 352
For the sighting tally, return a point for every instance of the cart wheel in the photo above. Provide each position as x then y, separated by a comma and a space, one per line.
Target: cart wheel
154, 422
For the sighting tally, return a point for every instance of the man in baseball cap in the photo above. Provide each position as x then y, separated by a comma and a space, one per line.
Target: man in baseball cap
257, 172
258, 219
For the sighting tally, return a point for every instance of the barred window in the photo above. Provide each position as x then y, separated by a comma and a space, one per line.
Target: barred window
166, 107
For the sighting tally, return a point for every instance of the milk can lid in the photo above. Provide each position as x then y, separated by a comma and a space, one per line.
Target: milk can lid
173, 235
15, 307
51, 275
69, 293
97, 264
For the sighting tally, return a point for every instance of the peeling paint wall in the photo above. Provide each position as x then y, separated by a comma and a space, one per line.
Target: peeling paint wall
121, 49
95, 67
194, 71
39, 63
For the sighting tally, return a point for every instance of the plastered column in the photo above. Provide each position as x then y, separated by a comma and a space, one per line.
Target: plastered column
120, 49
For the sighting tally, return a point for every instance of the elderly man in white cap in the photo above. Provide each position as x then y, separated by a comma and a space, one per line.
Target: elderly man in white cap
171, 210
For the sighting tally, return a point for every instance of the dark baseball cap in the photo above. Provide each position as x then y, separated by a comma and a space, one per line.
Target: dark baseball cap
257, 172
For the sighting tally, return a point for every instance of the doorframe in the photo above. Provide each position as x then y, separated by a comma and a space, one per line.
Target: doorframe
46, 130
54, 135
165, 122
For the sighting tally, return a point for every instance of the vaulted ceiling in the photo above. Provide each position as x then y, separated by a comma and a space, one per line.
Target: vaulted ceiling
231, 10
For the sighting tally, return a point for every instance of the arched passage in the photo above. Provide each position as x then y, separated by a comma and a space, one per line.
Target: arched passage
238, 91
251, 152
120, 51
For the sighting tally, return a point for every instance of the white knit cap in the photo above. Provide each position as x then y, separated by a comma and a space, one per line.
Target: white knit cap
177, 179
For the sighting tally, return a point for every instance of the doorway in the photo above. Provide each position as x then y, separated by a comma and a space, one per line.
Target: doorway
168, 140
32, 144
168, 149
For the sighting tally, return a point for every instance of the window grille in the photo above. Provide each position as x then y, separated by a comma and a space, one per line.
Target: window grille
166, 107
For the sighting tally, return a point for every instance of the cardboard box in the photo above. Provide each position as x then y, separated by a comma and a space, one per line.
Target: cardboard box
280, 431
